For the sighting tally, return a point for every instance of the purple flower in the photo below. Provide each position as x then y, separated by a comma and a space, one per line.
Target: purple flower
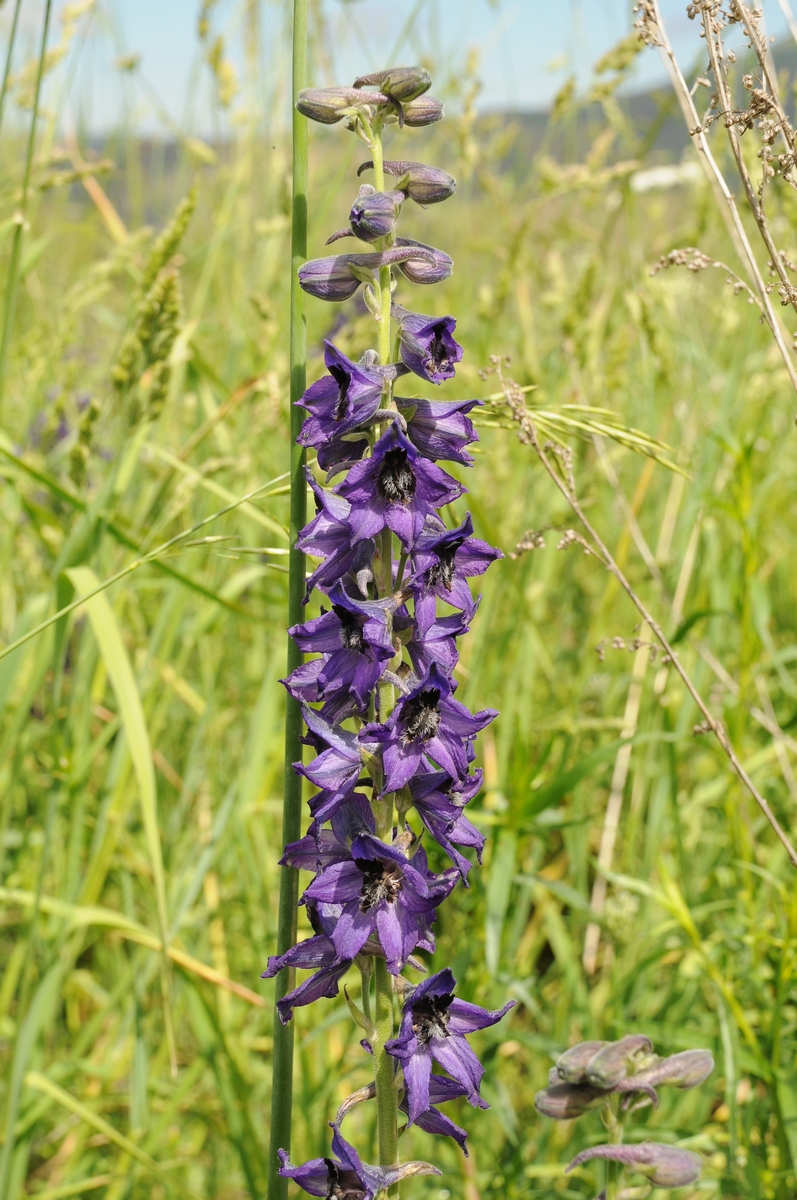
379, 890
329, 537
427, 345
443, 560
396, 489
336, 769
347, 1177
440, 429
435, 642
434, 1025
341, 400
355, 642
316, 954
428, 721
441, 1090
432, 798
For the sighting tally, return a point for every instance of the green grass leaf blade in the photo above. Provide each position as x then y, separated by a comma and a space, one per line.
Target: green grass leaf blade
40, 1083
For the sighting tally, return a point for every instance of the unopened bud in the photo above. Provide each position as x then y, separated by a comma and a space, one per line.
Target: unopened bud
329, 278
373, 214
664, 1166
330, 105
337, 277
423, 110
400, 83
685, 1070
617, 1059
566, 1101
572, 1065
423, 184
427, 266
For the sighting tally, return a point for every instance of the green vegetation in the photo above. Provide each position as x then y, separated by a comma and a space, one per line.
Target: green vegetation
141, 739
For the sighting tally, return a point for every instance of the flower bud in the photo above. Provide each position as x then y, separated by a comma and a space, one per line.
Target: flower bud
429, 266
373, 214
685, 1070
572, 1065
337, 278
423, 184
329, 278
330, 105
400, 83
566, 1101
664, 1166
617, 1059
423, 110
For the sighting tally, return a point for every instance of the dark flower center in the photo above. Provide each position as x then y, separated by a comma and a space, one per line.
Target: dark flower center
438, 349
422, 717
430, 1017
382, 880
351, 630
343, 1183
396, 482
343, 380
442, 572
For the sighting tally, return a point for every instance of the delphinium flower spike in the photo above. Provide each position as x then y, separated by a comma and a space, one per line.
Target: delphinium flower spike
388, 733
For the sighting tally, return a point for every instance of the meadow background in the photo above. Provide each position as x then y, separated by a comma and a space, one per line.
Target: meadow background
141, 735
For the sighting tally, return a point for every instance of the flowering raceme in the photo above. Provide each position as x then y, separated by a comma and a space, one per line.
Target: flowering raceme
378, 695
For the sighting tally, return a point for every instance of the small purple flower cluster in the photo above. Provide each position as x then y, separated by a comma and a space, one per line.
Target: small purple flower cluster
378, 696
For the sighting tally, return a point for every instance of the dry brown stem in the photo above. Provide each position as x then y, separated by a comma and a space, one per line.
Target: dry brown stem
561, 472
653, 31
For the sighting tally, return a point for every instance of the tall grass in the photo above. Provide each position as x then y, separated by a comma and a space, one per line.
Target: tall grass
161, 701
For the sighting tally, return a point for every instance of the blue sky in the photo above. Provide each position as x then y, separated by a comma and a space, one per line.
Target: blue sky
526, 48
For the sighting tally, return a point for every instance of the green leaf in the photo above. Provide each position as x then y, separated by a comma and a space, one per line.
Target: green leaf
692, 620
564, 781
109, 638
502, 871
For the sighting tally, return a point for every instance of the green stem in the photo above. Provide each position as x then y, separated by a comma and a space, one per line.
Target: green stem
12, 37
386, 1099
614, 1170
282, 1063
16, 247
384, 1073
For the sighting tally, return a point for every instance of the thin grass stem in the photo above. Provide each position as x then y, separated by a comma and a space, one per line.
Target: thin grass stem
282, 1063
12, 37
16, 247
